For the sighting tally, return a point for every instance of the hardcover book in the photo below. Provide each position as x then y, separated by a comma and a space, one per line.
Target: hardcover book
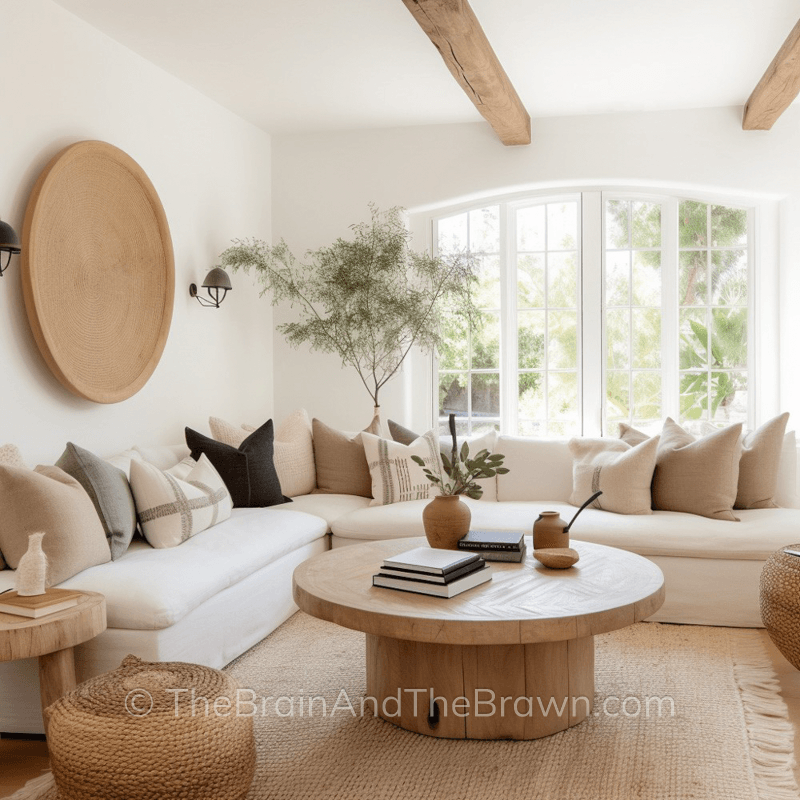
430, 560
438, 590
492, 540
39, 605
448, 577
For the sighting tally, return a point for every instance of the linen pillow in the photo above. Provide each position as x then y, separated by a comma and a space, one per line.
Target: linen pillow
485, 441
247, 470
294, 450
108, 490
11, 457
760, 463
340, 461
175, 504
697, 476
786, 490
622, 472
47, 499
395, 477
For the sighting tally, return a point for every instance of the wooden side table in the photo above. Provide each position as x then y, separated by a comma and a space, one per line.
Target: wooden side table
52, 639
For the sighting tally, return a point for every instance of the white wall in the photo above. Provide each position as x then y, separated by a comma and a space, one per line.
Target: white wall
63, 81
323, 182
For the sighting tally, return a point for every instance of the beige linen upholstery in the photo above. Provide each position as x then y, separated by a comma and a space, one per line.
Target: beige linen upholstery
11, 457
697, 476
622, 472
759, 465
340, 460
48, 500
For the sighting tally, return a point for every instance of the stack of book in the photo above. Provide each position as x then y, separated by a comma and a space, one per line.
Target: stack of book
39, 605
495, 545
425, 570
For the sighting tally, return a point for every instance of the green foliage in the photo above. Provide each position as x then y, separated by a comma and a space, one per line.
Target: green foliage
369, 299
459, 474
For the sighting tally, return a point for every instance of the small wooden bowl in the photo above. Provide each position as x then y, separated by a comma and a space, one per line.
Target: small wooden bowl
557, 557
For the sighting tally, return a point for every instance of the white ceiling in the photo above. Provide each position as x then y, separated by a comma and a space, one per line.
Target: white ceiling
306, 65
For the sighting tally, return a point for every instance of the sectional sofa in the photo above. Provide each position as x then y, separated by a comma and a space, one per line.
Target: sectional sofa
217, 594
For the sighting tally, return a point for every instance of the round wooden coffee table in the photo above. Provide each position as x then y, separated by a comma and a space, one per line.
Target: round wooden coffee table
52, 639
442, 667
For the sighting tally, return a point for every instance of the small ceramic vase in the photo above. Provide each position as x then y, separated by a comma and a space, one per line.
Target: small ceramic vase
32, 569
548, 531
446, 520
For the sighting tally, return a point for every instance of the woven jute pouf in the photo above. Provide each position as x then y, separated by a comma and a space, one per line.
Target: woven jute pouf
780, 602
152, 731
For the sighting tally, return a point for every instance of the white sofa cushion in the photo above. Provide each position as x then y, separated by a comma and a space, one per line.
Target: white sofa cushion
664, 533
328, 506
149, 589
539, 469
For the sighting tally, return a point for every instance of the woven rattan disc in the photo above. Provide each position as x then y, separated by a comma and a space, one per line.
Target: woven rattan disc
98, 274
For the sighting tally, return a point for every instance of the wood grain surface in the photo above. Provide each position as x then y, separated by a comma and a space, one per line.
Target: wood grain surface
523, 603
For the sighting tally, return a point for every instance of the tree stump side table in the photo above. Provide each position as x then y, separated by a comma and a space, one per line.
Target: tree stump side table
52, 639
780, 602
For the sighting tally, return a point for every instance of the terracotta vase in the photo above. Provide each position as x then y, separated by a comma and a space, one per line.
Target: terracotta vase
446, 520
548, 531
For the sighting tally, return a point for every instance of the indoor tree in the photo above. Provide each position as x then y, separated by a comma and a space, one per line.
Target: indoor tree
369, 299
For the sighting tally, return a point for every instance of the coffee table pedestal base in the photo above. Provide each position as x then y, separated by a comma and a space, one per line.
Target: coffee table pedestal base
458, 691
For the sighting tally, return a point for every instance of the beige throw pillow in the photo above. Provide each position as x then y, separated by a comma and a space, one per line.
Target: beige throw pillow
48, 500
395, 476
760, 463
340, 461
11, 457
293, 449
622, 472
697, 476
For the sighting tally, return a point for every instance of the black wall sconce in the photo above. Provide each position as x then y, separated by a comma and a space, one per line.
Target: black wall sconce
216, 281
9, 243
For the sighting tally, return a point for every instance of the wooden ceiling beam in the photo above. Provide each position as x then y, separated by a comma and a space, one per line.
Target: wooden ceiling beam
456, 33
777, 88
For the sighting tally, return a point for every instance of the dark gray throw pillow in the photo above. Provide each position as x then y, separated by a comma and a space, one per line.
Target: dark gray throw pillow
248, 470
109, 491
401, 434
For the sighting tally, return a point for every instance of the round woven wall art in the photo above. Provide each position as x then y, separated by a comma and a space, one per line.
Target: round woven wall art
98, 273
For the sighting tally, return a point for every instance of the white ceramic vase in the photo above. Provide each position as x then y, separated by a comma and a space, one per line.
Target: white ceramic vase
32, 569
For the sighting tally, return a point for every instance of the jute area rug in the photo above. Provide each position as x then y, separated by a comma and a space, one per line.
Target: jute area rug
729, 737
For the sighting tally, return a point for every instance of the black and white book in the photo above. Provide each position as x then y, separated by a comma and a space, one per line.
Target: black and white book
431, 561
514, 556
448, 577
478, 540
411, 584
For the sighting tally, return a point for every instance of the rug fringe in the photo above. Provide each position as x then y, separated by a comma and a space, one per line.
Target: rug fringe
35, 788
769, 730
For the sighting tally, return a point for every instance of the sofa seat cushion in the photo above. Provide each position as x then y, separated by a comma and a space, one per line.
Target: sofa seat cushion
664, 533
328, 506
149, 589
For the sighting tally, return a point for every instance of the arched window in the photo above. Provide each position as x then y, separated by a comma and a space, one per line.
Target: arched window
601, 308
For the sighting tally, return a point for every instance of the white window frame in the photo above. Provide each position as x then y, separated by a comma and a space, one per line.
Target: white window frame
763, 296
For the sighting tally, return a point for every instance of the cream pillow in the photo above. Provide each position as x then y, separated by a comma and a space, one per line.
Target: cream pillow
176, 504
293, 450
395, 476
10, 456
760, 463
697, 476
622, 472
786, 490
48, 500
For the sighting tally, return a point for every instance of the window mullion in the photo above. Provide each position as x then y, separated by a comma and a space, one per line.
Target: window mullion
509, 358
591, 372
670, 313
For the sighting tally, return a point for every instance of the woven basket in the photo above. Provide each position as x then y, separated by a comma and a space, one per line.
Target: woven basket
780, 602
125, 736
